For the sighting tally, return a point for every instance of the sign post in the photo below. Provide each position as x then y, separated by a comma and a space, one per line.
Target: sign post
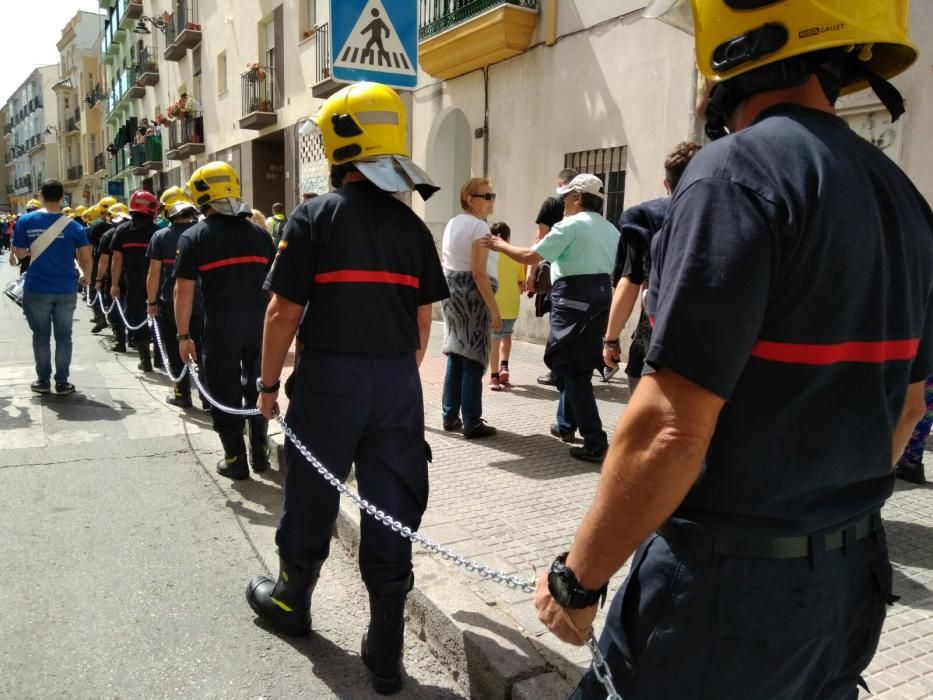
375, 40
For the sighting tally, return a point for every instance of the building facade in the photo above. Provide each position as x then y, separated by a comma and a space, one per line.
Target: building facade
31, 146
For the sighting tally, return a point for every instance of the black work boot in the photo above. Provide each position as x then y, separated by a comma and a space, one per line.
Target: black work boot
180, 396
119, 335
285, 605
911, 472
233, 465
258, 428
145, 357
382, 643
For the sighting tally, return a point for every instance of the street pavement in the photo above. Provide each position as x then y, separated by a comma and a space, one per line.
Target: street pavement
126, 558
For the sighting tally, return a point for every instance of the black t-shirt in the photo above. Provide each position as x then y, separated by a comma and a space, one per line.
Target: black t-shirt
95, 232
132, 241
793, 278
231, 256
638, 225
162, 247
363, 262
103, 248
551, 211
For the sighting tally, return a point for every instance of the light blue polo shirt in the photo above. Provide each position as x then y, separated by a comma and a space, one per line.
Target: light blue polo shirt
582, 244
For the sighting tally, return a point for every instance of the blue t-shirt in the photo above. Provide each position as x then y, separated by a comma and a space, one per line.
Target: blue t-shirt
54, 272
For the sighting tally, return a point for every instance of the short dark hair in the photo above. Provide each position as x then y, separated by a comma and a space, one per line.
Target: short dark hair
677, 161
339, 172
52, 190
309, 195
590, 202
566, 175
502, 230
278, 208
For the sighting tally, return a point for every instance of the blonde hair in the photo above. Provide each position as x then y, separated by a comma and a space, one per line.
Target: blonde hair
471, 186
258, 218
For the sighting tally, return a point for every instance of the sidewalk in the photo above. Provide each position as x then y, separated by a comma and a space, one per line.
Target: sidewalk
514, 501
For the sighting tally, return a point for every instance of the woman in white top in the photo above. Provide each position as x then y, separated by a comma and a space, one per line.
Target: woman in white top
470, 311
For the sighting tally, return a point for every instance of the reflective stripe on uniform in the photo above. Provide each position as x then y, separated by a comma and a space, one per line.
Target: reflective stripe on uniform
224, 262
367, 276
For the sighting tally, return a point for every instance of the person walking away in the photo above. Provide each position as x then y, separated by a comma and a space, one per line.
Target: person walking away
23, 262
795, 269
118, 215
53, 243
276, 223
910, 465
470, 311
355, 253
230, 255
580, 249
638, 226
179, 209
99, 224
511, 277
129, 266
538, 278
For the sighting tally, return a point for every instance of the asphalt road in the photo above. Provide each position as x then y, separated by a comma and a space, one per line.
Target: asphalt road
125, 557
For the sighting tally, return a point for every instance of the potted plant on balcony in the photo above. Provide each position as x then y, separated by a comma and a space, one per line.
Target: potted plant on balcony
256, 73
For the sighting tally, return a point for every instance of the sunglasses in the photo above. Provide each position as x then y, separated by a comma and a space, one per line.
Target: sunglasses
488, 196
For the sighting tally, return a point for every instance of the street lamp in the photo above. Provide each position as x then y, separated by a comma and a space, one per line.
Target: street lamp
156, 22
49, 129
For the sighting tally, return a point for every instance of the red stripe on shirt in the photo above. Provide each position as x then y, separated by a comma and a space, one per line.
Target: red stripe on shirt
224, 262
830, 354
373, 276
135, 245
168, 261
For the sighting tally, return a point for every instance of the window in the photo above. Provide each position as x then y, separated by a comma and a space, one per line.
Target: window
221, 72
308, 19
269, 33
608, 164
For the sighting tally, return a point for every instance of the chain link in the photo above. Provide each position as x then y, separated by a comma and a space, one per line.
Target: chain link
487, 573
161, 347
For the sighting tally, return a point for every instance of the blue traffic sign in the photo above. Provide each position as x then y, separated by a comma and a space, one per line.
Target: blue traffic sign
375, 40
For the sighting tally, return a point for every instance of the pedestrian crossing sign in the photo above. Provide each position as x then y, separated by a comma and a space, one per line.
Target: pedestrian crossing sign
375, 40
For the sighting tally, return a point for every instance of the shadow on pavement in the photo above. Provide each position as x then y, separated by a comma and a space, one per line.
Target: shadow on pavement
78, 408
14, 416
531, 450
908, 546
346, 675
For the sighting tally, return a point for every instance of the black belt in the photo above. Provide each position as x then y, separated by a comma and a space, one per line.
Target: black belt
776, 547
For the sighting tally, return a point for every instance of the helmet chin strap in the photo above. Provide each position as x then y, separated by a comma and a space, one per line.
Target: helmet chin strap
725, 97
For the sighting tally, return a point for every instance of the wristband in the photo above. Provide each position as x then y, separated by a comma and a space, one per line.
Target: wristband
183, 336
152, 303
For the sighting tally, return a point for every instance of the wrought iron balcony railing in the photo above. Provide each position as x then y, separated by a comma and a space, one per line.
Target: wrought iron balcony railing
438, 16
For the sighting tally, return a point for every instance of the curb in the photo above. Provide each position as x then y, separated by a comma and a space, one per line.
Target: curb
488, 653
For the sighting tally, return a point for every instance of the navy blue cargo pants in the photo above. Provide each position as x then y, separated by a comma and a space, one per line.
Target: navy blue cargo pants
366, 411
232, 352
688, 623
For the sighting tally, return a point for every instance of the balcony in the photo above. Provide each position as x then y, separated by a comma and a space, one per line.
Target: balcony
146, 156
186, 136
324, 85
257, 87
23, 183
134, 89
71, 125
182, 31
456, 37
100, 163
134, 10
74, 173
119, 161
148, 68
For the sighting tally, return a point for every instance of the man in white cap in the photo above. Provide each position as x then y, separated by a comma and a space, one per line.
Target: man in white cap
581, 249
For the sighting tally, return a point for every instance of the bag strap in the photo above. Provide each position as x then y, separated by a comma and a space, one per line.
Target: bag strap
45, 240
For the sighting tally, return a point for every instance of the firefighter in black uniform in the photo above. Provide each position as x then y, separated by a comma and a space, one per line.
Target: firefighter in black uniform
119, 216
99, 223
178, 208
129, 266
367, 269
790, 295
231, 256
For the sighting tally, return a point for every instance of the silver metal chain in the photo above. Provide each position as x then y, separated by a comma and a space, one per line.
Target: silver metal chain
487, 573
161, 347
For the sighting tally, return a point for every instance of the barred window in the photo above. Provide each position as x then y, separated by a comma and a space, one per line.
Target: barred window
608, 164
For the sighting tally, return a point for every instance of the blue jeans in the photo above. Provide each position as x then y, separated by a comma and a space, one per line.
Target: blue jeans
577, 409
463, 390
45, 312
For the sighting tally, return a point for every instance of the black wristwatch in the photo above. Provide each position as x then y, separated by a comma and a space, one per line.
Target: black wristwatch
263, 389
565, 589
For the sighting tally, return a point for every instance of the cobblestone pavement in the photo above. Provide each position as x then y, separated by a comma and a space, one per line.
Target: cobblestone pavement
514, 501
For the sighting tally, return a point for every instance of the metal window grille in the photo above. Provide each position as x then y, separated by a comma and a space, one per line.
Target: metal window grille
608, 164
313, 170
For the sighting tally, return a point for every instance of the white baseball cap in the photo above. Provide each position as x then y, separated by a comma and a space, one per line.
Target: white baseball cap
585, 184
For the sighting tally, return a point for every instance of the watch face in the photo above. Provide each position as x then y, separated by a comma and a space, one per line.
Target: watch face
557, 586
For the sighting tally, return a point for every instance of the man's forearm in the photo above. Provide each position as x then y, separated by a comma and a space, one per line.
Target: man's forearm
152, 280
623, 303
914, 408
655, 457
103, 266
424, 331
85, 262
526, 256
279, 329
184, 298
116, 269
